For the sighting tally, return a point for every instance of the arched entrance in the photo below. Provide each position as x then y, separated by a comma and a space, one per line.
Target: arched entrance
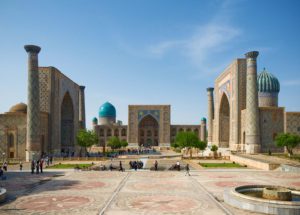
224, 122
148, 132
67, 125
11, 146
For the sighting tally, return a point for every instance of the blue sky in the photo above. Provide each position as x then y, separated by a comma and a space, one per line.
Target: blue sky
149, 52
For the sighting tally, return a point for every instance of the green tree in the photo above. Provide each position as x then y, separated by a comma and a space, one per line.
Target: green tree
114, 143
86, 138
287, 140
187, 140
214, 149
201, 145
124, 143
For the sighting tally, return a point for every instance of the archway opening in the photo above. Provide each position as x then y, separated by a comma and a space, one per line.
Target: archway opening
67, 126
224, 122
148, 132
11, 146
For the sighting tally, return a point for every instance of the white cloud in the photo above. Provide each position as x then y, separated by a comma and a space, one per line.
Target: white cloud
201, 46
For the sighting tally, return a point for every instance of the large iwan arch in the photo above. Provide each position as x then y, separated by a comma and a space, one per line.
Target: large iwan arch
148, 132
67, 141
224, 122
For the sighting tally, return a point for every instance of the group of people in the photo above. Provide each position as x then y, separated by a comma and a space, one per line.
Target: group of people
38, 165
136, 165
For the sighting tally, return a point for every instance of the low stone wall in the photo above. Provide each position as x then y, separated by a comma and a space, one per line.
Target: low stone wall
254, 163
289, 168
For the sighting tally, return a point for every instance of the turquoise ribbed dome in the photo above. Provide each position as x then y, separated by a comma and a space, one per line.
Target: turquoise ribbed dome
203, 119
267, 82
95, 120
107, 110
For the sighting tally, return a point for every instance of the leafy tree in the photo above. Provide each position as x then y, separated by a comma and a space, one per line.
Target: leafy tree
287, 140
201, 145
124, 143
187, 140
175, 145
114, 143
214, 148
86, 138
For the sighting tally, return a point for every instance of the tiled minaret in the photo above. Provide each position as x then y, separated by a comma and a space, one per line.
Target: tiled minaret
33, 139
203, 129
252, 112
82, 107
210, 114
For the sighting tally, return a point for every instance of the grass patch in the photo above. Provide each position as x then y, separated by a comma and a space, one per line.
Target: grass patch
221, 165
69, 166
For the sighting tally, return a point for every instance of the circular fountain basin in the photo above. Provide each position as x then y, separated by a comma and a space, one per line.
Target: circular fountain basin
277, 193
2, 195
251, 197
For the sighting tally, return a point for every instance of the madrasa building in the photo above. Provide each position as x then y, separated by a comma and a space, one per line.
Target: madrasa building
55, 111
148, 126
243, 112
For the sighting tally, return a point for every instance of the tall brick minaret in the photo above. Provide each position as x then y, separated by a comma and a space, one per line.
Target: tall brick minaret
33, 138
252, 112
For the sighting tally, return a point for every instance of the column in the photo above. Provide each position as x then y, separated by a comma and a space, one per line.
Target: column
82, 107
33, 139
252, 112
210, 114
203, 129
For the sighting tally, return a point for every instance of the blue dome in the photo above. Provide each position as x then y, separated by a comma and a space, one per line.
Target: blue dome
267, 82
203, 119
95, 120
107, 110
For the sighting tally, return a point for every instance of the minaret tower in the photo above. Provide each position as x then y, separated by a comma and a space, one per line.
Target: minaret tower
33, 139
82, 107
210, 114
252, 112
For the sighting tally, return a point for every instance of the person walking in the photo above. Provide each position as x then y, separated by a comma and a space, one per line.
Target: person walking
187, 170
32, 166
155, 165
21, 166
121, 167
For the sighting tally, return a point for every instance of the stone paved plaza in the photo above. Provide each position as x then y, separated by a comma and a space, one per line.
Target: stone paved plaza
141, 192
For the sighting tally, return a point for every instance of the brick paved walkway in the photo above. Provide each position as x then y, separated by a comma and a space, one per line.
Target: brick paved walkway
141, 192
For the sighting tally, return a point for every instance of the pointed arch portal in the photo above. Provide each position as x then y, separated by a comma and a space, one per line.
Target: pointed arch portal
67, 125
224, 122
148, 132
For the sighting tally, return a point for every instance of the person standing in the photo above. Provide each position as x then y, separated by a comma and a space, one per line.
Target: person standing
21, 166
187, 170
155, 165
37, 167
178, 165
32, 166
5, 166
41, 165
